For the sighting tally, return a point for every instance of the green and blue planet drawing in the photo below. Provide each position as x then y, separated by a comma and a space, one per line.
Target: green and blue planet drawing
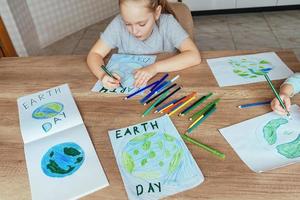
289, 149
47, 111
62, 160
250, 67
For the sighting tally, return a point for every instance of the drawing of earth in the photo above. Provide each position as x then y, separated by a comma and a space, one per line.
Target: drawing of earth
153, 156
250, 68
125, 71
48, 110
62, 160
285, 139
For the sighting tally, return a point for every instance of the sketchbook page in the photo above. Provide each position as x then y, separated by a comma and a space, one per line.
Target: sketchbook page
44, 113
124, 65
244, 69
266, 142
153, 160
64, 165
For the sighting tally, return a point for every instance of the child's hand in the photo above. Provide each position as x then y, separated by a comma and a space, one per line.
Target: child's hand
143, 75
109, 82
275, 105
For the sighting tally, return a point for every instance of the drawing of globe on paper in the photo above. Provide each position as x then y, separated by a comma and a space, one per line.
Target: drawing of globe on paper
158, 157
250, 67
245, 69
280, 135
62, 160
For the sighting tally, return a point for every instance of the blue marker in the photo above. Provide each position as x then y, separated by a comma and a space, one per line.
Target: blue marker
254, 104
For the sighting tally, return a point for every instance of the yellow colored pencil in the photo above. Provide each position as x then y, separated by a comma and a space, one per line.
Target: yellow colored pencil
179, 107
197, 120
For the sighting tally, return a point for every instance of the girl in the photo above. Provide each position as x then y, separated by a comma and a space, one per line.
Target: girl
290, 87
144, 27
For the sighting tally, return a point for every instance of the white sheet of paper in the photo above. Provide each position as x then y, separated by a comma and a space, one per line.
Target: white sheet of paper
65, 114
61, 160
87, 179
153, 160
266, 142
244, 69
124, 65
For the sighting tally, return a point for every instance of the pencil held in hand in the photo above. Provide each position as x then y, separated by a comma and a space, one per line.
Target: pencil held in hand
111, 75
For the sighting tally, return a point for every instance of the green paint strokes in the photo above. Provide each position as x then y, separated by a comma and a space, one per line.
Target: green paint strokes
168, 137
175, 161
167, 153
128, 162
143, 137
270, 129
161, 163
51, 154
70, 151
136, 152
144, 161
54, 168
152, 154
291, 149
146, 146
78, 160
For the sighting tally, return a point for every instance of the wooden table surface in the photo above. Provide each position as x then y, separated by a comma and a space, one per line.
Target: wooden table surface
224, 179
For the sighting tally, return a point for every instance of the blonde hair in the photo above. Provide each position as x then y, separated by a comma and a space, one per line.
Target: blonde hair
153, 4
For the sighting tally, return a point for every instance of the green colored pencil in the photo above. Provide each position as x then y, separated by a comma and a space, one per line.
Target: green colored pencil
203, 146
207, 107
194, 105
110, 74
276, 94
201, 120
148, 110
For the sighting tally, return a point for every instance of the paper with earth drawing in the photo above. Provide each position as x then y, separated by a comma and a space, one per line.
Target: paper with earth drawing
124, 65
153, 160
266, 142
58, 150
244, 69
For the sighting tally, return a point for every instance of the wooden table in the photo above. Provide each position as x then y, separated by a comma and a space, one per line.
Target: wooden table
224, 179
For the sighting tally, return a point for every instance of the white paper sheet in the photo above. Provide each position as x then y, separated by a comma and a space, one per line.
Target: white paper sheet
244, 69
266, 142
153, 160
60, 156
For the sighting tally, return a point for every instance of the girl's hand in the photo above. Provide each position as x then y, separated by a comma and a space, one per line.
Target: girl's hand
109, 82
275, 105
143, 75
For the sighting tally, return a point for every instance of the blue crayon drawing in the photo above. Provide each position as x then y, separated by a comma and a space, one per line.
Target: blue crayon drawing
62, 160
48, 110
125, 65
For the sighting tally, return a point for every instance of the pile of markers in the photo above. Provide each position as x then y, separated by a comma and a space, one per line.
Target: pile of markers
159, 99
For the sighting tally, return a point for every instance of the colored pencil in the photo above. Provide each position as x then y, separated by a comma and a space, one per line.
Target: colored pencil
151, 99
205, 113
200, 112
178, 103
201, 120
203, 146
140, 90
171, 106
165, 105
165, 84
148, 110
255, 104
195, 104
182, 105
159, 82
169, 95
110, 74
276, 94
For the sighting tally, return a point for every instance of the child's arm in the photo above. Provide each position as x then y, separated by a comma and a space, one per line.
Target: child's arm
95, 61
290, 87
189, 56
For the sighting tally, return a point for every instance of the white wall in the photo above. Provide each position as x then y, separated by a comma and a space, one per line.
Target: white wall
34, 24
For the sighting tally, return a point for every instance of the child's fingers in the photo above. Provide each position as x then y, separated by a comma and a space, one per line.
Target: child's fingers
287, 102
117, 76
140, 80
275, 105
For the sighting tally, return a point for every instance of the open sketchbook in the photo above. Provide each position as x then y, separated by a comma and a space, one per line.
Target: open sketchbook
266, 142
153, 160
124, 65
244, 69
61, 160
